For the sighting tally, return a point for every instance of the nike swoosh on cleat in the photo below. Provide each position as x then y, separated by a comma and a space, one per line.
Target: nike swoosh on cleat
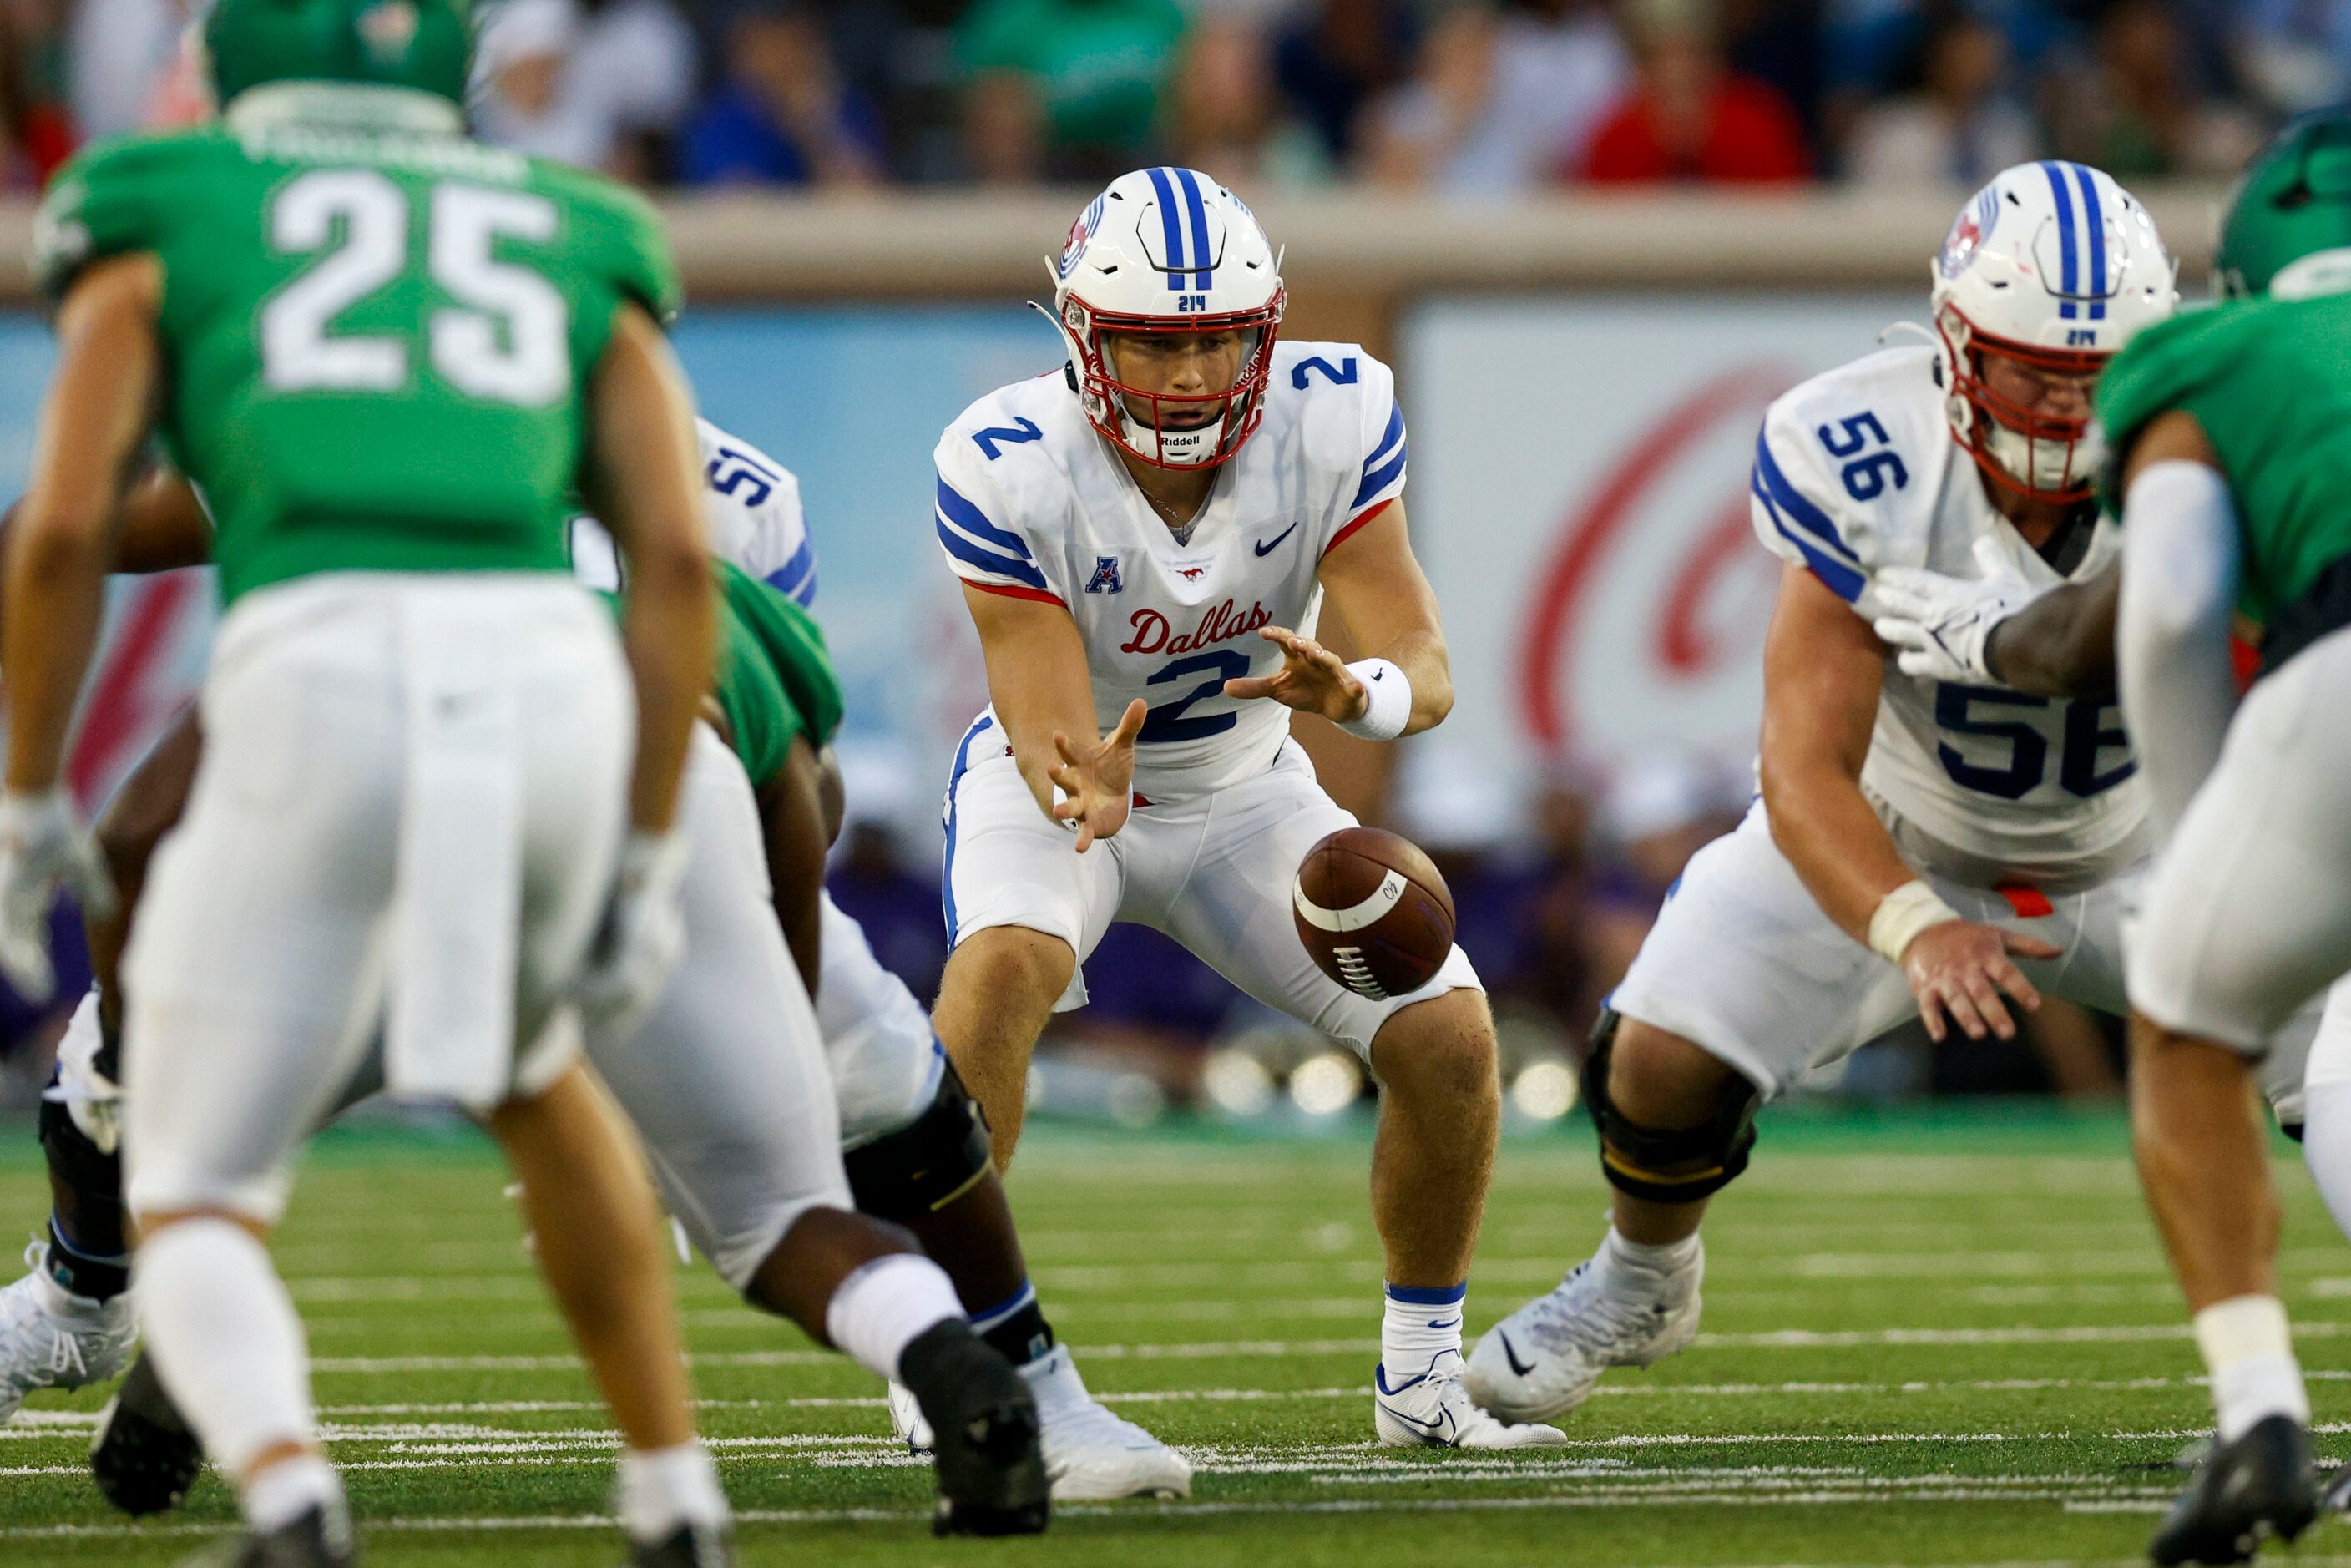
1510, 1354
1269, 546
1444, 1419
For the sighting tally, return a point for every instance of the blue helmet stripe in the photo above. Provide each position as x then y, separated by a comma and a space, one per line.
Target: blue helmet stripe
1202, 277
1171, 226
2093, 225
2070, 284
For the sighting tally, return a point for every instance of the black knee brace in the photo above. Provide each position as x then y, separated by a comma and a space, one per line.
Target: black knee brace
927, 1164
89, 1171
1676, 1165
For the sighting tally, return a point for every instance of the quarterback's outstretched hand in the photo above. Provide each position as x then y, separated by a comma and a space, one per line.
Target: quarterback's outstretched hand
1940, 627
1097, 782
1311, 679
41, 849
1961, 968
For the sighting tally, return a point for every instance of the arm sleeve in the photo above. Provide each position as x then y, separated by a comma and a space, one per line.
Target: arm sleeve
1379, 477
2179, 579
1787, 497
985, 544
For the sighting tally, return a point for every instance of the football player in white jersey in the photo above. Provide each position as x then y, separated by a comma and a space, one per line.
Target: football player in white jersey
1946, 847
1144, 540
909, 1134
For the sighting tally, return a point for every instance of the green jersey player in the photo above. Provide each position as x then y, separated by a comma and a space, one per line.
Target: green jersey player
2231, 433
390, 356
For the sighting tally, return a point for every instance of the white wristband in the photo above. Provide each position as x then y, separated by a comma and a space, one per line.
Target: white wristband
1390, 707
1902, 914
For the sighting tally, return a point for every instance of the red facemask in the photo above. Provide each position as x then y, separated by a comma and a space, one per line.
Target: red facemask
1111, 403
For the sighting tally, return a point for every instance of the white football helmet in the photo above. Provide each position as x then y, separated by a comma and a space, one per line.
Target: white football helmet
1168, 250
2054, 266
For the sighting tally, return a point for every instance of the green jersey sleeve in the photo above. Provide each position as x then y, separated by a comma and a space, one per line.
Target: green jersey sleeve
761, 721
118, 198
2170, 365
621, 236
794, 647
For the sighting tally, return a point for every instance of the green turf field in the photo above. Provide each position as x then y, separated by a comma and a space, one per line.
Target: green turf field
1928, 1342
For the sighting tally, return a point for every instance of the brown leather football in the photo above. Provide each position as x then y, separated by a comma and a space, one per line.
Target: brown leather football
1373, 912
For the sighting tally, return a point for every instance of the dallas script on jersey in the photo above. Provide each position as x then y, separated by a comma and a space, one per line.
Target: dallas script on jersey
1220, 624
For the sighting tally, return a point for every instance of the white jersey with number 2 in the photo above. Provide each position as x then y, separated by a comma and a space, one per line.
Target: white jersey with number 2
1032, 503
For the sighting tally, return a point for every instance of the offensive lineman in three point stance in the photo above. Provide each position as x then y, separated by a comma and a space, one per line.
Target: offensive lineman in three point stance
1144, 540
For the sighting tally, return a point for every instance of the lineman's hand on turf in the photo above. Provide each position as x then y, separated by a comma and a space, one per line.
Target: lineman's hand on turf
42, 848
1941, 626
1311, 679
1097, 782
1961, 968
642, 935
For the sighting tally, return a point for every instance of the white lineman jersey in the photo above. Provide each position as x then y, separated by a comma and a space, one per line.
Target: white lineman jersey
752, 505
1857, 469
1032, 503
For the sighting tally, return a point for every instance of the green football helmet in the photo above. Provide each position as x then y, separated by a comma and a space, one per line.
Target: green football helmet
428, 45
2287, 227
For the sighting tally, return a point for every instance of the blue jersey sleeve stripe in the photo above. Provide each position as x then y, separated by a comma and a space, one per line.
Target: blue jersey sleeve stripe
1379, 479
2094, 227
1843, 580
956, 509
1171, 226
1202, 277
1786, 502
970, 554
1389, 438
2069, 280
796, 578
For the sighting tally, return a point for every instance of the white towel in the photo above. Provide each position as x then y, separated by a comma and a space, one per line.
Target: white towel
456, 911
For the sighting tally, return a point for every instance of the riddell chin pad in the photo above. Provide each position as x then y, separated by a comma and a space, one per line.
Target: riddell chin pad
928, 1162
1672, 1165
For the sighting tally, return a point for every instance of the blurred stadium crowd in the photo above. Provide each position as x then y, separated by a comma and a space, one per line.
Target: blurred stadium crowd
1472, 98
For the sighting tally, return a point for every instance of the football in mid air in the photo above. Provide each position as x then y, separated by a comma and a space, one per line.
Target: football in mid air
1373, 912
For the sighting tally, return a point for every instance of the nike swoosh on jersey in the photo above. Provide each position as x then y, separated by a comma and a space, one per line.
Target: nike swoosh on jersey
1510, 1354
1268, 546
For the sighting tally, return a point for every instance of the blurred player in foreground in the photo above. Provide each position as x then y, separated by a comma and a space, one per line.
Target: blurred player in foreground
2230, 431
730, 1139
388, 354
1946, 846
1144, 540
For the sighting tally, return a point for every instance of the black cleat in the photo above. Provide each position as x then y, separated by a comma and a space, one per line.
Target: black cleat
143, 1458
984, 1423
316, 1540
693, 1546
2259, 1486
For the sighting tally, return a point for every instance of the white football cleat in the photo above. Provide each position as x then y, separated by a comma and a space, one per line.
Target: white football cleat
1091, 1455
1542, 1361
51, 1338
908, 1422
1433, 1410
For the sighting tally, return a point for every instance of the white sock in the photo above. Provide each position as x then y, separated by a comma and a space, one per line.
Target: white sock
883, 1307
290, 1489
659, 1489
1618, 1256
227, 1343
2248, 1350
1418, 1325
